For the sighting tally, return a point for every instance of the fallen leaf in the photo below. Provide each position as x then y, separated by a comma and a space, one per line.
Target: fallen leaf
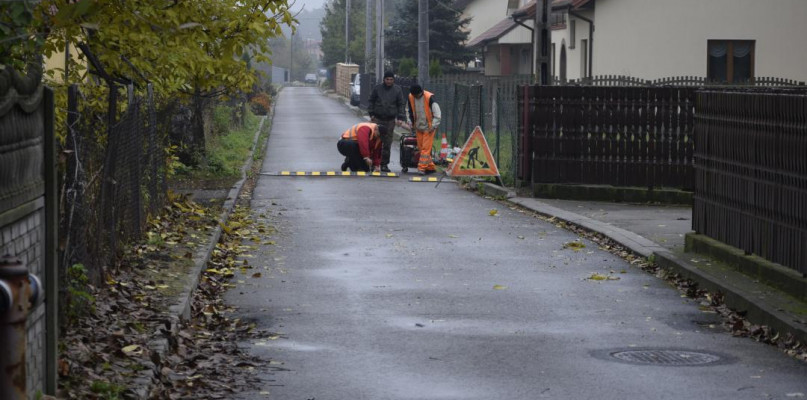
499, 287
600, 277
575, 245
256, 275
133, 349
493, 212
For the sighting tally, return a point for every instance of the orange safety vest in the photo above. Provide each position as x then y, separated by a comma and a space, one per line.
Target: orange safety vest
426, 96
350, 134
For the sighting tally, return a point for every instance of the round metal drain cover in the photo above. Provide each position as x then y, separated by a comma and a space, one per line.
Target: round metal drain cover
666, 357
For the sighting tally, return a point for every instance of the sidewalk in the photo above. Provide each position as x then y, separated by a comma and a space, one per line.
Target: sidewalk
659, 232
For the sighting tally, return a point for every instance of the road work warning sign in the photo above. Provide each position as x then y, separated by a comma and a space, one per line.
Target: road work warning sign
475, 158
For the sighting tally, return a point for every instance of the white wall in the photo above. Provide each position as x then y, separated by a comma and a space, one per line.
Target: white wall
573, 56
484, 14
659, 38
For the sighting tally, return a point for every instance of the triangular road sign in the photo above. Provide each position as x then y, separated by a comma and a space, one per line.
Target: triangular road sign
475, 158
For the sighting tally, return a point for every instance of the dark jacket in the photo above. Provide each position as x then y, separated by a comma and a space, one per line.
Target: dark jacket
387, 102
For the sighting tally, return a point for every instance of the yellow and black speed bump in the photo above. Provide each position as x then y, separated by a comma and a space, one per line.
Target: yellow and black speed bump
331, 173
423, 179
428, 179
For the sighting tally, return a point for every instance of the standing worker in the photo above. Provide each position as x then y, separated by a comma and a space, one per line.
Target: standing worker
425, 115
386, 104
361, 146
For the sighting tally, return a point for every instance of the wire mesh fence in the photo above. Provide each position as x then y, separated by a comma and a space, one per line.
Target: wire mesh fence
490, 102
114, 174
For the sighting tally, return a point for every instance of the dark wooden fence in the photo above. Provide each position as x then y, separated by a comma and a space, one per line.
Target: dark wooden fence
751, 172
622, 80
621, 136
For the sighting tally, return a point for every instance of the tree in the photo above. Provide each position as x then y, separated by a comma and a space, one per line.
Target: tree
407, 67
447, 35
281, 56
332, 28
194, 50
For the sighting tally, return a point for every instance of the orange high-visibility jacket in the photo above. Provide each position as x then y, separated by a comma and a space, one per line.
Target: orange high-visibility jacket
351, 133
369, 144
426, 97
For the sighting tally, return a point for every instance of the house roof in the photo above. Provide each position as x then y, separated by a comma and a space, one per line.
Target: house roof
500, 29
529, 9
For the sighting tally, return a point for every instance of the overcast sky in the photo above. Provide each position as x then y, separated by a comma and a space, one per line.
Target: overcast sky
309, 4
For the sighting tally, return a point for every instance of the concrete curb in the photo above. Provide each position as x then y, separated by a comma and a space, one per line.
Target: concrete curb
181, 309
635, 243
740, 292
740, 296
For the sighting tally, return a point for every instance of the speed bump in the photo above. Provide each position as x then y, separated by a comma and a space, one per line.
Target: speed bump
421, 179
331, 173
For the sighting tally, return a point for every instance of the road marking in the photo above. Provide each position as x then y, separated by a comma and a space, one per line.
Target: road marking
419, 179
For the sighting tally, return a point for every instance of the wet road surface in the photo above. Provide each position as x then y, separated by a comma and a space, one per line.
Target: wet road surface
387, 289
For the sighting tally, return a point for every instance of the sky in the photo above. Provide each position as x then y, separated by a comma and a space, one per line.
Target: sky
309, 4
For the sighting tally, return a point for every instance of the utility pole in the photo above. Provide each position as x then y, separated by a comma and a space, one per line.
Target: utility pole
423, 42
291, 56
368, 35
542, 43
379, 44
347, 25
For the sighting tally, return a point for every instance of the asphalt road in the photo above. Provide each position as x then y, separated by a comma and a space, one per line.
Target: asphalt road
388, 289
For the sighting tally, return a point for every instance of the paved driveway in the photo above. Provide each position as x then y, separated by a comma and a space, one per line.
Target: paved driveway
386, 289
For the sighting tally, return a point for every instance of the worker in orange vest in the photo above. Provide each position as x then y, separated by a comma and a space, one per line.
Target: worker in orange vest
361, 146
425, 115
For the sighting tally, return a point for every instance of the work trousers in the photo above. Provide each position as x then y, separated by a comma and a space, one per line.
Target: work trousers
350, 149
425, 143
386, 139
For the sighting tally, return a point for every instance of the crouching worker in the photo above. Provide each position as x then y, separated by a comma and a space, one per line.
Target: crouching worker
361, 146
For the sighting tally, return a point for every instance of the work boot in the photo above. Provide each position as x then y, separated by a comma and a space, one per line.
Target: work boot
345, 165
430, 171
385, 168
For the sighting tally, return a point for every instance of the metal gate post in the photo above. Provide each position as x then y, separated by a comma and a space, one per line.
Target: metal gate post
19, 291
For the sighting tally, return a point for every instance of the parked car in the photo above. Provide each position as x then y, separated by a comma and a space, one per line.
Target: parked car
355, 90
310, 78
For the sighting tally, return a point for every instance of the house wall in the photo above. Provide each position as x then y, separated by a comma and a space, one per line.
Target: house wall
484, 14
659, 38
519, 39
573, 56
492, 60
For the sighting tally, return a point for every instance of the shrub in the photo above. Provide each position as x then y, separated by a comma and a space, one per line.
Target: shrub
407, 67
260, 103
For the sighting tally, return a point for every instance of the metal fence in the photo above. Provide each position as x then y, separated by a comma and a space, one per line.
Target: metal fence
114, 173
621, 136
751, 172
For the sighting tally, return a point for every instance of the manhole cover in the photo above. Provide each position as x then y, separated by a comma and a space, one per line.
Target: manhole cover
666, 357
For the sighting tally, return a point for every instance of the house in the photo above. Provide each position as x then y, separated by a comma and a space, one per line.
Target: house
723, 40
505, 43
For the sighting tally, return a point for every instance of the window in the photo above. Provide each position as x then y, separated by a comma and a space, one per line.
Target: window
512, 5
584, 58
552, 61
730, 61
572, 27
